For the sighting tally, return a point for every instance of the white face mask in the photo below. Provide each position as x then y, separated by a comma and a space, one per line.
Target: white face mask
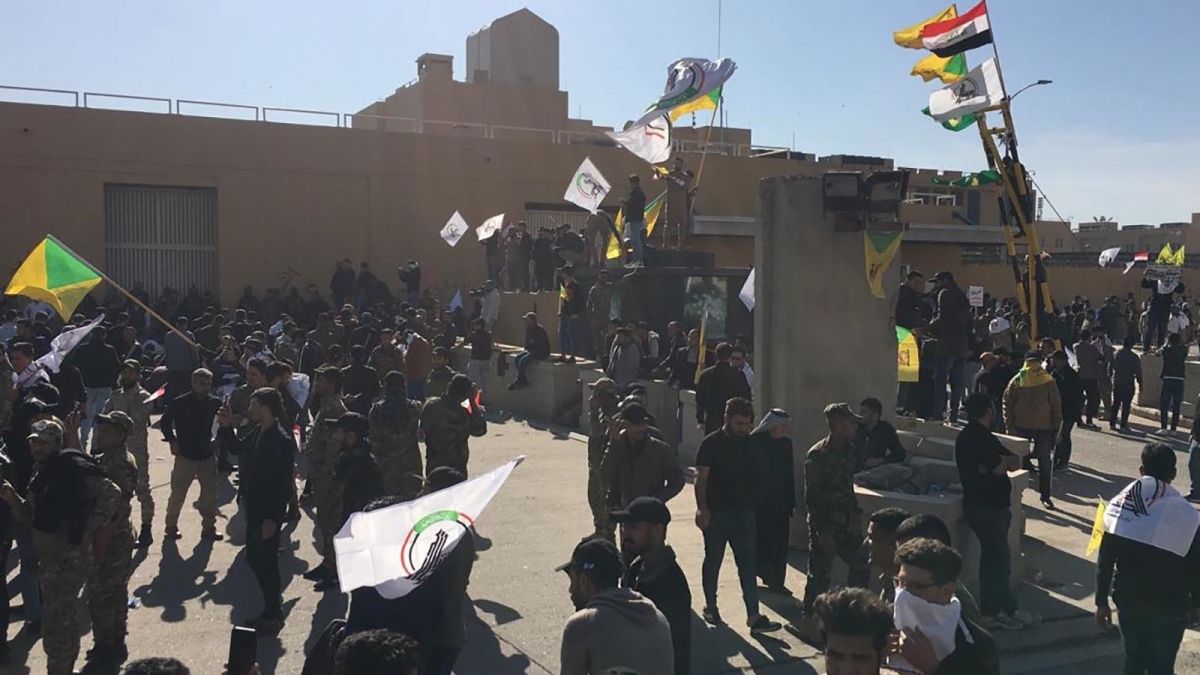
938, 622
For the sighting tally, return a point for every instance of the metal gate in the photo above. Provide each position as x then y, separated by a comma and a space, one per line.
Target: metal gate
160, 237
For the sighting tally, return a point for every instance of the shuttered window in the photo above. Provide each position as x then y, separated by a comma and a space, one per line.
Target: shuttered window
159, 236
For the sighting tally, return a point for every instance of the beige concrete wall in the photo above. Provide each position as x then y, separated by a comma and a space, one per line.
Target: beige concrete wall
828, 339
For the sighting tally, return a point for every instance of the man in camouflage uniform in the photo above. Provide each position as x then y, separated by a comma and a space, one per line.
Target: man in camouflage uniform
447, 426
599, 308
394, 420
130, 398
108, 585
72, 507
834, 517
602, 409
321, 453
439, 378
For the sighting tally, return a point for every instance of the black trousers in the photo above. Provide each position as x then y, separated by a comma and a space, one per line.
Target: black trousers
6, 541
1091, 389
773, 525
990, 525
263, 557
1122, 400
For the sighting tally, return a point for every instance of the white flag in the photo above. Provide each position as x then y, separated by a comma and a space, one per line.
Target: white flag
62, 345
588, 187
456, 301
1154, 513
980, 89
650, 141
747, 293
454, 229
395, 549
1109, 255
1128, 266
490, 226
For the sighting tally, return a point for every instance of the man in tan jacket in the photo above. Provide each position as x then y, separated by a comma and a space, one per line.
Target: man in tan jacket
1033, 409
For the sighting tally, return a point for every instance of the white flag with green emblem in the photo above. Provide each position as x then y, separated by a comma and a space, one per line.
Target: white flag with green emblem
588, 187
454, 229
397, 548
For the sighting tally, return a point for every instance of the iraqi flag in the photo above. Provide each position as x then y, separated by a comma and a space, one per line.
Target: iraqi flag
957, 35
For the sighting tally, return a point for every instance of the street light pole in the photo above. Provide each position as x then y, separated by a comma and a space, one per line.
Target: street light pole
1031, 84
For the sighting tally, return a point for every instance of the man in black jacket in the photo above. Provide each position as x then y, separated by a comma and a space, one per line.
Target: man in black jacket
537, 347
1170, 400
99, 367
655, 573
268, 488
717, 385
1157, 591
1162, 296
187, 426
634, 207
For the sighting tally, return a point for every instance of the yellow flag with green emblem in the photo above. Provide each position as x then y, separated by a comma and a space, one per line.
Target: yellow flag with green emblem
911, 37
55, 275
880, 248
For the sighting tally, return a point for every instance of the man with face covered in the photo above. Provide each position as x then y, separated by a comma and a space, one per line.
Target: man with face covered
394, 419
72, 507
130, 398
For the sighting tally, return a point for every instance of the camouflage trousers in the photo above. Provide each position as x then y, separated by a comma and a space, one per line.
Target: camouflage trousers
403, 475
327, 501
597, 493
62, 577
137, 447
829, 540
107, 591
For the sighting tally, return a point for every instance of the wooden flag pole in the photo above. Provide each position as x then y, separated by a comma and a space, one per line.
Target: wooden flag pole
126, 293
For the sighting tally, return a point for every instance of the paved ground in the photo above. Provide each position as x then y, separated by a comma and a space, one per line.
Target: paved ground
189, 593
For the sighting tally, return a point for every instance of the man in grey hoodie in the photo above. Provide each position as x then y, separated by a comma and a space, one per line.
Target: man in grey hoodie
614, 628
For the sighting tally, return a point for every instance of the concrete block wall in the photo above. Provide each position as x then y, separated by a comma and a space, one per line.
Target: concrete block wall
1151, 389
826, 338
931, 429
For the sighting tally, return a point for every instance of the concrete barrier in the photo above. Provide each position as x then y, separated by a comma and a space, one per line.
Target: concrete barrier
948, 507
690, 436
930, 429
554, 387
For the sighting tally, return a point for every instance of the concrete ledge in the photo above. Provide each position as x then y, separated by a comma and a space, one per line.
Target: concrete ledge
553, 387
690, 436
930, 429
949, 508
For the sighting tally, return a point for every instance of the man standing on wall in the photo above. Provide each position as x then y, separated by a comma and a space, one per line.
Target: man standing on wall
570, 308
635, 220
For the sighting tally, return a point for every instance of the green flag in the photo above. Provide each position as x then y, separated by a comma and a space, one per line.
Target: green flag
985, 177
956, 123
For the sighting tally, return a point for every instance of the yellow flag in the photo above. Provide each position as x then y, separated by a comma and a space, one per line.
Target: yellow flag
703, 337
1180, 256
1165, 256
911, 37
1097, 528
908, 359
880, 248
616, 243
948, 70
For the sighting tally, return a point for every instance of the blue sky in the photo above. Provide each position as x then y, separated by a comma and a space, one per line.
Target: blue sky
1112, 136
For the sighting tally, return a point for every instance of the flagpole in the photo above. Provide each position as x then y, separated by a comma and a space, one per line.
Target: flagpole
704, 152
127, 294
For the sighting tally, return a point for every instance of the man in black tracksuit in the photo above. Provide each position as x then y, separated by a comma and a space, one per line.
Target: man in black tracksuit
717, 385
655, 573
265, 496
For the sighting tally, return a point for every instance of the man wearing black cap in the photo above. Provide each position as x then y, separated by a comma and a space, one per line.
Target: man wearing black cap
725, 496
637, 464
615, 629
834, 517
655, 573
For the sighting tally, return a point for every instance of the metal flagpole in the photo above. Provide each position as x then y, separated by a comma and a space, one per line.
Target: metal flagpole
126, 293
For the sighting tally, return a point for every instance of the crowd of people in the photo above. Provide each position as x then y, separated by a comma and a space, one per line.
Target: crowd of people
349, 391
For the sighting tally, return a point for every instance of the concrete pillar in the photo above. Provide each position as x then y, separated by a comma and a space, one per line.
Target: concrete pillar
820, 336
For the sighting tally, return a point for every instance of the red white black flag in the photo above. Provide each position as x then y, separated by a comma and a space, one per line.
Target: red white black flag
957, 35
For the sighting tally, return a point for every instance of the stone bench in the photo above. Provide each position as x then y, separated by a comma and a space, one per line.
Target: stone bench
553, 387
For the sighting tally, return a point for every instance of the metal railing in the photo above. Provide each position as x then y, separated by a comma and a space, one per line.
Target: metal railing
372, 122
